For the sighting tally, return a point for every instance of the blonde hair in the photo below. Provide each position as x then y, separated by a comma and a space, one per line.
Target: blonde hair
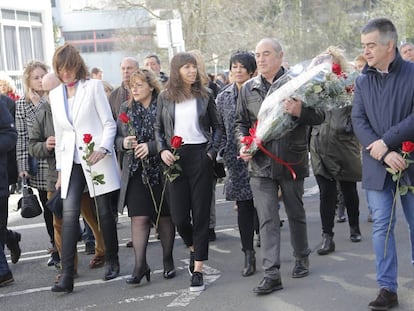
28, 69
338, 57
9, 82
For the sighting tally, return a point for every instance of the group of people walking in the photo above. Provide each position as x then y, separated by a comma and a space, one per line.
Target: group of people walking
152, 146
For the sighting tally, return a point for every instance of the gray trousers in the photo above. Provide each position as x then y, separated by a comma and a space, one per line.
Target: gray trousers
265, 198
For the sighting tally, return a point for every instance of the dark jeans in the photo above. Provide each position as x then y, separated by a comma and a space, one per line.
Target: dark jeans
48, 216
327, 189
190, 198
4, 212
70, 229
245, 220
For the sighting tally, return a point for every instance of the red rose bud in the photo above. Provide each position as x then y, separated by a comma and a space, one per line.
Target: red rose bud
87, 138
246, 140
123, 117
336, 69
407, 146
176, 142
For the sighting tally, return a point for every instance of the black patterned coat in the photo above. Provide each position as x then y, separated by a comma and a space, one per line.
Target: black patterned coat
237, 185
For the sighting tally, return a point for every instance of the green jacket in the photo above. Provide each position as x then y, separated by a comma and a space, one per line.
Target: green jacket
335, 151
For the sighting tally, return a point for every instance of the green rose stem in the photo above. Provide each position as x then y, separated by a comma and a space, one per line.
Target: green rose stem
94, 198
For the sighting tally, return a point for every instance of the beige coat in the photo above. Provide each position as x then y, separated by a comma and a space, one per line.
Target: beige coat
91, 115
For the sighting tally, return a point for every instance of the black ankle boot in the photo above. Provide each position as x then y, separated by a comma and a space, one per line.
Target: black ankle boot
65, 284
111, 270
355, 234
249, 263
328, 245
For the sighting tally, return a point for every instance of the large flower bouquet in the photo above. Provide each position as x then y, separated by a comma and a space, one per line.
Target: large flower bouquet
322, 85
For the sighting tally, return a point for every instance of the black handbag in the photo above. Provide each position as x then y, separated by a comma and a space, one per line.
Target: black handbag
28, 204
55, 204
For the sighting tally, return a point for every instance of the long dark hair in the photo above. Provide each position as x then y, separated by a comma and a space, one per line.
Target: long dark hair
175, 89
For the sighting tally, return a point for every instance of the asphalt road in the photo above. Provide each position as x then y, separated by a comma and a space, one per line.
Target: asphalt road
342, 281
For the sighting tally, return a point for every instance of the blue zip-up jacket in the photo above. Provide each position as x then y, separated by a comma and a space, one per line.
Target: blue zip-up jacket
383, 108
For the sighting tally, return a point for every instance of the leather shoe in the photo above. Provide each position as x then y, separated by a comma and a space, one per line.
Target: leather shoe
6, 279
301, 268
111, 270
97, 261
267, 286
14, 247
384, 301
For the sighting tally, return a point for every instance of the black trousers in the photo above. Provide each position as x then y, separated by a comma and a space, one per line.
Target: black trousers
327, 189
70, 228
190, 198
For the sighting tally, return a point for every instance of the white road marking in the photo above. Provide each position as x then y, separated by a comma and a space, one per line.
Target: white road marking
311, 191
219, 250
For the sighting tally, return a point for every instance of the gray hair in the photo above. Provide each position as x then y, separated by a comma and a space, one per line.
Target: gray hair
274, 42
386, 28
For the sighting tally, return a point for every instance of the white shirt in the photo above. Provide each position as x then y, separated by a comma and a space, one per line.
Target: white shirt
186, 122
71, 102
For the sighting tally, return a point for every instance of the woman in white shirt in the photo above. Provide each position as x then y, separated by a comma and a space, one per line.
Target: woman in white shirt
187, 109
80, 107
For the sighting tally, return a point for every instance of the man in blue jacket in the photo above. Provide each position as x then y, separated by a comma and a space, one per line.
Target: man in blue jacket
8, 138
382, 117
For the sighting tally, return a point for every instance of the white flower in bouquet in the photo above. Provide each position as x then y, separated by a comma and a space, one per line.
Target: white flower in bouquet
322, 85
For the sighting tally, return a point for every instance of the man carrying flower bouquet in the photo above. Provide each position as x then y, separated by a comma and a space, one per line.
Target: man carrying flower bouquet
383, 121
280, 163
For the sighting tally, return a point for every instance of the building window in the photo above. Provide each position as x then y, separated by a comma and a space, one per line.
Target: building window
22, 33
92, 41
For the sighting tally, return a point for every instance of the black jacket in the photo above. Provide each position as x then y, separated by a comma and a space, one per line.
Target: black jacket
210, 124
8, 138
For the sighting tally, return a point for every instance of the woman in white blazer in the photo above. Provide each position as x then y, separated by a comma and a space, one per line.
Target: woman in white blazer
79, 107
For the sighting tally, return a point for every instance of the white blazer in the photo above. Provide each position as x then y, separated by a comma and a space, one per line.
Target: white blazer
91, 115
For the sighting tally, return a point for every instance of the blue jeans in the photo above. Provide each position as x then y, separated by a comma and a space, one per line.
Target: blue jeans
380, 203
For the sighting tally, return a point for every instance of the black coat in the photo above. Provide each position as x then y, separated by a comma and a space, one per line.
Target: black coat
8, 138
11, 155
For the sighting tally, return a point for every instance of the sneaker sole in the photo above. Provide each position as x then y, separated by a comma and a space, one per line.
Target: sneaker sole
197, 288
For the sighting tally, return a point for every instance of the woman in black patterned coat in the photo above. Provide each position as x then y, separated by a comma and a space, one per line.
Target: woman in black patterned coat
141, 181
242, 67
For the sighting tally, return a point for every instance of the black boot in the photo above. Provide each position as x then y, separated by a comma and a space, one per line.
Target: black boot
355, 235
249, 263
111, 270
328, 245
65, 284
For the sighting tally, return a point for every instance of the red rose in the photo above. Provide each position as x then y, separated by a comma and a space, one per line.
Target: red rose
176, 142
247, 140
336, 69
123, 117
407, 147
87, 138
